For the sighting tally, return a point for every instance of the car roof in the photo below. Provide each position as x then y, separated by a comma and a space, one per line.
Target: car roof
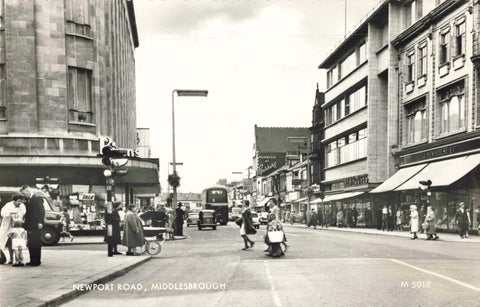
207, 210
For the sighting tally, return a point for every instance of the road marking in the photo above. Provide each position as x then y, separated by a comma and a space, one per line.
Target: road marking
437, 275
276, 299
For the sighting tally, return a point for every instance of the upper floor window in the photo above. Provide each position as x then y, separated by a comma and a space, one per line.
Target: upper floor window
412, 12
422, 60
3, 93
452, 108
460, 37
348, 148
347, 65
416, 121
332, 76
350, 103
77, 13
362, 53
444, 46
410, 66
80, 95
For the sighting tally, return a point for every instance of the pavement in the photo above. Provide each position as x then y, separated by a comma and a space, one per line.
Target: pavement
66, 273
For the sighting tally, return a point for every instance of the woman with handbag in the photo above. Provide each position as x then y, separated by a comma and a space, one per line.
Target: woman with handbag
246, 226
430, 224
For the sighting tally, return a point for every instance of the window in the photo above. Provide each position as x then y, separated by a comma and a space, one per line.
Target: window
452, 108
332, 77
416, 122
348, 65
77, 14
460, 38
347, 148
410, 66
80, 95
422, 60
357, 99
362, 53
444, 46
3, 93
412, 12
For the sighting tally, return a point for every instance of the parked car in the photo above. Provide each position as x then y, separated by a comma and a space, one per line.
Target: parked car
192, 218
255, 220
206, 218
263, 217
53, 224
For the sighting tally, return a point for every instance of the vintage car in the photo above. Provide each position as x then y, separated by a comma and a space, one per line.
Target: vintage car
192, 219
255, 220
52, 228
206, 218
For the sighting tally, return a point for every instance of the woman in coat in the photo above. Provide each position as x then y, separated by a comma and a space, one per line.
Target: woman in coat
247, 226
430, 221
132, 231
413, 221
463, 220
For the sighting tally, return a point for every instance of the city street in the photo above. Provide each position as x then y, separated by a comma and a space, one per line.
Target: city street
321, 268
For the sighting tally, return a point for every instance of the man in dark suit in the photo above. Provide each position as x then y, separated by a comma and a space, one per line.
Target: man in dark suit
179, 213
34, 219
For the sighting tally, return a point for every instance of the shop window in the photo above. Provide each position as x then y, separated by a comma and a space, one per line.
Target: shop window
452, 108
80, 95
416, 121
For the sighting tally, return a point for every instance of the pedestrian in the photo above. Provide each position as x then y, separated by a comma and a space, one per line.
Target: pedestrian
179, 216
14, 209
368, 217
391, 219
384, 218
463, 220
413, 221
34, 220
422, 213
169, 226
320, 217
339, 218
399, 218
246, 227
287, 216
292, 217
133, 231
65, 220
349, 217
430, 222
478, 221
355, 216
313, 219
115, 238
19, 241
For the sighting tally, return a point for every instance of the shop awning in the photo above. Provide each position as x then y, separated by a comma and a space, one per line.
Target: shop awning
316, 201
263, 202
300, 200
398, 178
341, 196
442, 173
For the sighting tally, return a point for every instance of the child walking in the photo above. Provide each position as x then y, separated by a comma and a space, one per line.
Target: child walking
19, 242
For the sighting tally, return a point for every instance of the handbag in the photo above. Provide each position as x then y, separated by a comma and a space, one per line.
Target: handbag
252, 231
425, 225
275, 236
239, 221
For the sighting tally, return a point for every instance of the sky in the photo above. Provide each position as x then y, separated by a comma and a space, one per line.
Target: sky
258, 59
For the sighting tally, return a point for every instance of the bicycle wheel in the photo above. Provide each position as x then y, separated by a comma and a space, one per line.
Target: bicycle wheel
153, 248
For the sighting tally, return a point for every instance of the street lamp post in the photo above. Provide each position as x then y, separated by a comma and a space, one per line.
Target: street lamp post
186, 93
304, 139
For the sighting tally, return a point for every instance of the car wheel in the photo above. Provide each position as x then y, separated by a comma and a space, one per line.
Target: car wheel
49, 236
188, 225
199, 227
214, 227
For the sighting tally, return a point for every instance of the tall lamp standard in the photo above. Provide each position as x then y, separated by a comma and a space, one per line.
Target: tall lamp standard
304, 140
186, 93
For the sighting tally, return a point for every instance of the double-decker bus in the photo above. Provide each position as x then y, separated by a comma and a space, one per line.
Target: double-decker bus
216, 198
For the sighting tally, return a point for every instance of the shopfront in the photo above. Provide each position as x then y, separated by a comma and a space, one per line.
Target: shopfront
454, 177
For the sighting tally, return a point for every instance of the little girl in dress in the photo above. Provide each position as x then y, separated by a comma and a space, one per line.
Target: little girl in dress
19, 242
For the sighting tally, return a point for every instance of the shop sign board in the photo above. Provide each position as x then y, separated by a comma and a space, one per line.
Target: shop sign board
87, 196
268, 162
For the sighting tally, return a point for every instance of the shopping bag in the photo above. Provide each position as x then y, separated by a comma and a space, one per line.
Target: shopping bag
275, 236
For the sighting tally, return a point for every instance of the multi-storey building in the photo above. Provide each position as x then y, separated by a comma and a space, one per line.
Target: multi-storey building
438, 136
359, 93
67, 72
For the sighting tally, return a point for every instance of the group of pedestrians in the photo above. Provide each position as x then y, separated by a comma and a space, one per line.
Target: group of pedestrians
274, 227
20, 229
